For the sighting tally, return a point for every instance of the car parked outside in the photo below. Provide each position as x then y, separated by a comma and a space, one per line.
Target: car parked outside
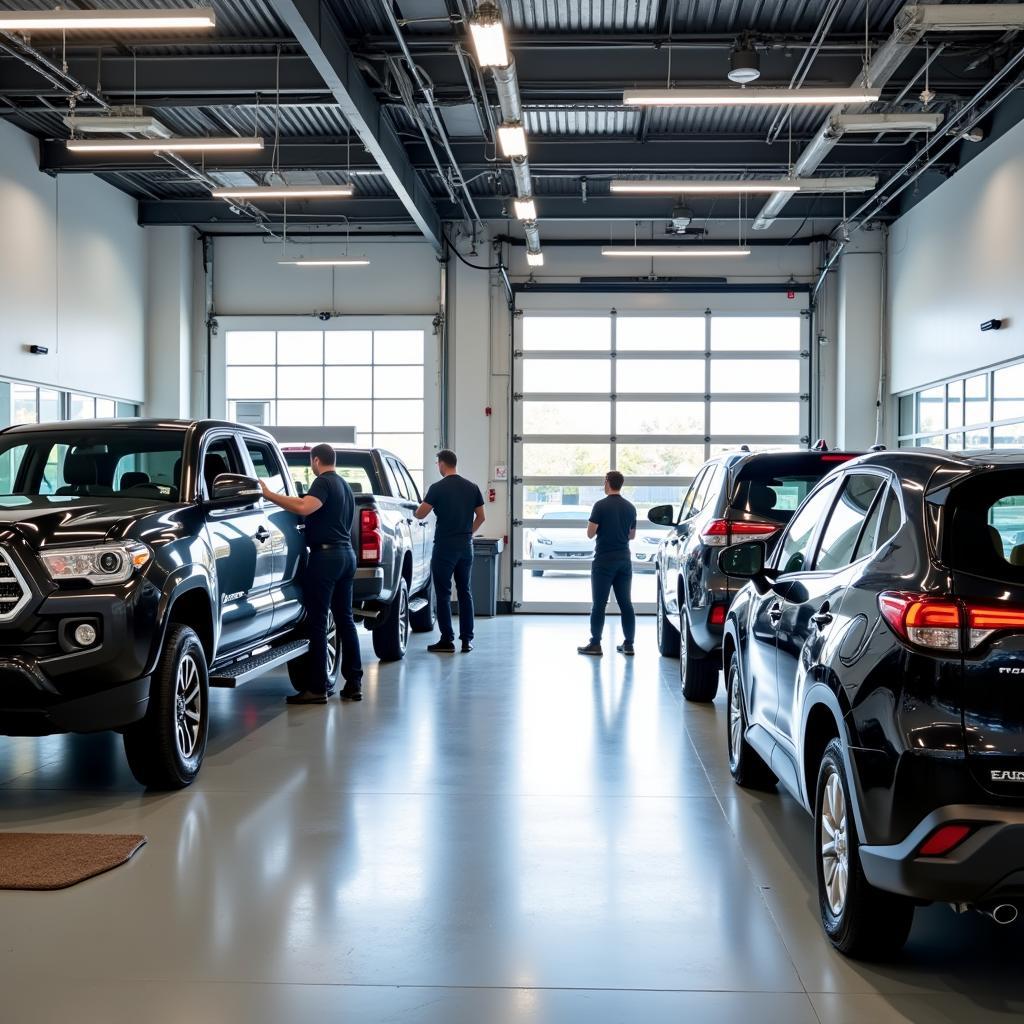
561, 542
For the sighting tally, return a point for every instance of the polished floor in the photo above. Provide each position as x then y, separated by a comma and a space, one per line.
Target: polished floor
517, 835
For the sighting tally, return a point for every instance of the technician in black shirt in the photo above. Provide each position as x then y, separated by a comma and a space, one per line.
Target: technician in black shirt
613, 522
459, 507
329, 509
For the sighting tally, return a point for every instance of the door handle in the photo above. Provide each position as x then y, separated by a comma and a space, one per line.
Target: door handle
262, 535
823, 617
775, 614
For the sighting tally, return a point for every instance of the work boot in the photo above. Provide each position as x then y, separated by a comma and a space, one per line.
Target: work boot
592, 648
442, 647
352, 691
625, 648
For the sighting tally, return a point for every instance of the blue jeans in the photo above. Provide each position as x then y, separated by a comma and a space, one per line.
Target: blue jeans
606, 576
327, 583
446, 563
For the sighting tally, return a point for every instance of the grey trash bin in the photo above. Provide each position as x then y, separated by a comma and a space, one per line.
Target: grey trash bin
486, 573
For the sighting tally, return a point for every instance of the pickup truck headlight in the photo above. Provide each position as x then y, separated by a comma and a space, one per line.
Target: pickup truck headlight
103, 563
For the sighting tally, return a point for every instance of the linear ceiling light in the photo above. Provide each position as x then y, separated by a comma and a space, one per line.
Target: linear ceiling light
681, 185
104, 125
282, 192
354, 261
961, 17
512, 138
526, 208
657, 251
489, 36
534, 259
854, 123
106, 20
174, 145
753, 97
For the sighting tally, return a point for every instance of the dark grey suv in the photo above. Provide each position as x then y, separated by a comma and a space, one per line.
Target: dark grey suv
735, 497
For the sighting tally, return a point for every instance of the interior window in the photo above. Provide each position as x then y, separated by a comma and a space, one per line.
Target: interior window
844, 524
266, 465
794, 549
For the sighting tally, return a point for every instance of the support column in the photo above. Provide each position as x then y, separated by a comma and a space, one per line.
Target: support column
169, 285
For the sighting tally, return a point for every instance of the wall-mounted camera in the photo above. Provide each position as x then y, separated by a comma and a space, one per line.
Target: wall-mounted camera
323, 316
38, 350
992, 325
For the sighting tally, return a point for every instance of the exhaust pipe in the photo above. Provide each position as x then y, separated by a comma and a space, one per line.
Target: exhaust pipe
1002, 913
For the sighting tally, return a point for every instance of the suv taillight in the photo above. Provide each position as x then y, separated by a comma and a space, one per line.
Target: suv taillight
937, 622
719, 533
371, 540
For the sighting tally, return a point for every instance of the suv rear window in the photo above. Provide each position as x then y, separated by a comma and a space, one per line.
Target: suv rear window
984, 528
772, 487
356, 468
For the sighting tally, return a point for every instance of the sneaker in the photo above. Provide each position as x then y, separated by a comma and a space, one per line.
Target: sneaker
467, 646
592, 649
352, 691
626, 649
442, 647
306, 698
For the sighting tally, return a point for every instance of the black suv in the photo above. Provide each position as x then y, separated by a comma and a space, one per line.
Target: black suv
139, 565
874, 666
735, 496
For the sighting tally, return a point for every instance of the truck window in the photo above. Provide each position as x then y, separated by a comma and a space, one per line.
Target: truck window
221, 455
389, 470
353, 467
395, 473
266, 464
414, 491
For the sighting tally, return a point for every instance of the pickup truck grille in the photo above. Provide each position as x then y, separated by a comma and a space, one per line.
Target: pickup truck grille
14, 592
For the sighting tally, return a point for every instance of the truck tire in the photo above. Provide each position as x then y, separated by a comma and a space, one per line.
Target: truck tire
165, 749
668, 635
391, 637
698, 672
425, 619
299, 669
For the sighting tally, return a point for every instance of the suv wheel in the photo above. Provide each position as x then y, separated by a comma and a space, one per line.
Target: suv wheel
668, 635
423, 621
860, 920
746, 764
391, 637
165, 749
299, 669
698, 672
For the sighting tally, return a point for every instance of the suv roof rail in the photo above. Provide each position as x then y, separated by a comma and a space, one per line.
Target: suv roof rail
878, 448
819, 445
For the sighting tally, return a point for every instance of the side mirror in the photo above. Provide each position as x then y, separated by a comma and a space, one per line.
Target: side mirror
300, 488
743, 561
661, 515
233, 490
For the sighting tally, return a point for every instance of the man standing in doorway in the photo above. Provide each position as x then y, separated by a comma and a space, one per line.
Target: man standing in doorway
329, 509
613, 522
459, 507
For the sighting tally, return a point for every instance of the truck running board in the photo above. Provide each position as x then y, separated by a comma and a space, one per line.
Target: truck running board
417, 604
238, 672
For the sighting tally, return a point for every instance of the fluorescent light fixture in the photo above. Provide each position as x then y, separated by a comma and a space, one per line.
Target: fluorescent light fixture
106, 20
961, 17
755, 97
657, 251
681, 185
282, 192
534, 259
512, 138
526, 208
353, 261
173, 145
134, 125
489, 36
854, 123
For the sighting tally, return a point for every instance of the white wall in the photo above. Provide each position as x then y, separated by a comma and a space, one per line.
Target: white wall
72, 277
169, 318
955, 261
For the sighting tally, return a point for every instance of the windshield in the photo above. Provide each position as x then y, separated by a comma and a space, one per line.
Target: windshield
774, 487
984, 531
138, 464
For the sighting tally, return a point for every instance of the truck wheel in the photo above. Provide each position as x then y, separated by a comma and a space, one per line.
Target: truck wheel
299, 669
668, 635
423, 621
165, 749
860, 920
746, 764
391, 637
698, 672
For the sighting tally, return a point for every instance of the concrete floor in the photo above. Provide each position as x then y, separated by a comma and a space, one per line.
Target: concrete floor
517, 835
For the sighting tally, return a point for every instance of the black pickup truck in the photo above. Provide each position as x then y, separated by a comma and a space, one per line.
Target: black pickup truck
140, 565
392, 592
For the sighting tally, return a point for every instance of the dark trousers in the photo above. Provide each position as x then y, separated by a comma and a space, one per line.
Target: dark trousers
327, 584
606, 576
445, 564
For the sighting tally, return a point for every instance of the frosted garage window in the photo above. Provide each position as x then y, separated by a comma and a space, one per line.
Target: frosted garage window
567, 333
348, 347
303, 347
659, 333
755, 333
250, 347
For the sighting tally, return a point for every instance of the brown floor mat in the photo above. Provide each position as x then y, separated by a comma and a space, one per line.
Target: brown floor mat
55, 860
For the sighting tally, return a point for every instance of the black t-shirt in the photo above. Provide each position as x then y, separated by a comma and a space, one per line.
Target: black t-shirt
454, 500
616, 519
332, 522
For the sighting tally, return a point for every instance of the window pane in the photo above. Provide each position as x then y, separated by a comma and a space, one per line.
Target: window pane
954, 404
300, 382
647, 376
794, 554
408, 447
49, 406
931, 409
659, 333
351, 414
566, 459
907, 414
250, 347
755, 333
755, 418
81, 407
250, 382
659, 459
105, 407
398, 382
955, 442
398, 346
400, 417
1010, 435
976, 407
348, 347
571, 376
575, 333
567, 417
978, 439
23, 403
300, 413
258, 414
768, 376
932, 441
659, 418
843, 527
303, 347
348, 382
1008, 393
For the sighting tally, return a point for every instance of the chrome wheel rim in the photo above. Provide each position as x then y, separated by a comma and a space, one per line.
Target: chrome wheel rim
682, 649
735, 719
188, 707
332, 644
660, 618
835, 848
403, 619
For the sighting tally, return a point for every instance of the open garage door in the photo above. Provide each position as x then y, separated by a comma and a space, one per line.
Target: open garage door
650, 392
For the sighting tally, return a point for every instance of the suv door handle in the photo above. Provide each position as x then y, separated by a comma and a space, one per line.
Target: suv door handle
775, 614
823, 617
262, 535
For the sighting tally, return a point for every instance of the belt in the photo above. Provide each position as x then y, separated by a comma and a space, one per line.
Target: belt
327, 547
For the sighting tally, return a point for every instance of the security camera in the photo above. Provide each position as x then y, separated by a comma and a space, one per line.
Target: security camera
323, 316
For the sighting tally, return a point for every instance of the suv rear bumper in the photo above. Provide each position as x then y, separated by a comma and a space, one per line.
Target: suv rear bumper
987, 866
